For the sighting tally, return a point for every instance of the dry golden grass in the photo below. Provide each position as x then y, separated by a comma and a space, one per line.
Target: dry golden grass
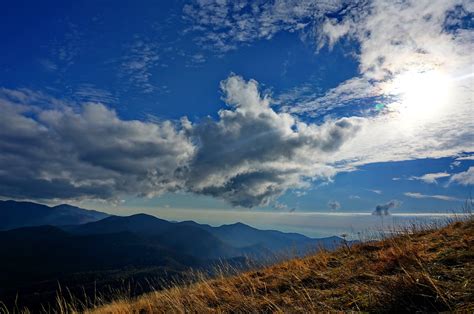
425, 270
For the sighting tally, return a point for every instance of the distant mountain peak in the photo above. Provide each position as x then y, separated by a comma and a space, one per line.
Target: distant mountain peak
237, 224
16, 214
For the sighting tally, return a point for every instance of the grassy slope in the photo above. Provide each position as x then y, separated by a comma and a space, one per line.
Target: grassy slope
427, 270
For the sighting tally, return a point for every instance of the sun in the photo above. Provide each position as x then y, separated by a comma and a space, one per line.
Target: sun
420, 96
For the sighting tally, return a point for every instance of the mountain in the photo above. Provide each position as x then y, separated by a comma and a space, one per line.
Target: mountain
424, 269
49, 250
61, 244
185, 239
205, 241
198, 240
15, 214
33, 260
139, 223
243, 236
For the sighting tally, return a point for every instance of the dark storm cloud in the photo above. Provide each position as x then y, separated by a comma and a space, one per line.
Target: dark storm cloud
248, 157
334, 205
61, 153
383, 209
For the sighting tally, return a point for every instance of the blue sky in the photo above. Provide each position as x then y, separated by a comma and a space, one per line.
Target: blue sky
290, 106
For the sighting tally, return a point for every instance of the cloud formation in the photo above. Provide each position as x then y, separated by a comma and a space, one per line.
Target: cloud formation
253, 154
395, 38
431, 177
64, 153
90, 93
383, 209
464, 178
226, 25
437, 197
138, 63
375, 191
249, 156
334, 205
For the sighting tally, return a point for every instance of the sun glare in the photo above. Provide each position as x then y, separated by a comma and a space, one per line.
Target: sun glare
421, 95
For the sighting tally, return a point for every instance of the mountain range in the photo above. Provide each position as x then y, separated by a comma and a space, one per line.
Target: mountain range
25, 214
44, 245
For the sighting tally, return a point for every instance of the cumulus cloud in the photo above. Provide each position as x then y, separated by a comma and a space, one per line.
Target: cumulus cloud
334, 205
464, 178
383, 209
249, 156
436, 196
90, 153
252, 154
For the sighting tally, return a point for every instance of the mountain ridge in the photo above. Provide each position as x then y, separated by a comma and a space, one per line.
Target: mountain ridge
16, 214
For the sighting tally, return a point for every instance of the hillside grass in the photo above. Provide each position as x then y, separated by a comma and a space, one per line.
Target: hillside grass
419, 269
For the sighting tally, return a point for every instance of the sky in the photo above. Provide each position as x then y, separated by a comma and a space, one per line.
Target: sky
223, 111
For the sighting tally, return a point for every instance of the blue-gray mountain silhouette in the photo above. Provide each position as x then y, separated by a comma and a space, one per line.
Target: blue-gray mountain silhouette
25, 214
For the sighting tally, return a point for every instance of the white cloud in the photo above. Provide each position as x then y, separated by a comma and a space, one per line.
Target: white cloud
90, 93
225, 25
137, 65
376, 191
438, 197
466, 158
350, 92
48, 65
455, 164
397, 36
64, 50
463, 178
431, 177
401, 43
410, 36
